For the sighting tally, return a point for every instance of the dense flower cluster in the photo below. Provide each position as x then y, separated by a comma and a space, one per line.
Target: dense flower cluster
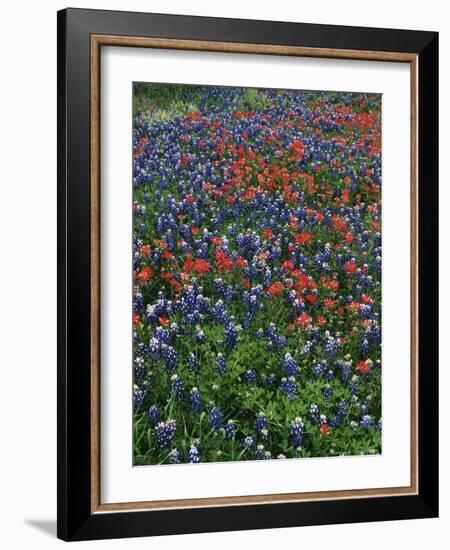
257, 275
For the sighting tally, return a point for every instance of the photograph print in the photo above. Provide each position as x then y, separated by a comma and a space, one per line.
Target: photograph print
256, 274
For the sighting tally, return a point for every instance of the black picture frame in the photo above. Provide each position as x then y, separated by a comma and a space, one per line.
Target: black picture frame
75, 519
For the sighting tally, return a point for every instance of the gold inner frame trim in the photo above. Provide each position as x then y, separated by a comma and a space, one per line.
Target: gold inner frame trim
97, 41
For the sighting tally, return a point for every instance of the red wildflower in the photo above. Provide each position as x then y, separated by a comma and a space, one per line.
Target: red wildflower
144, 275
332, 285
349, 238
303, 321
201, 267
251, 194
354, 306
224, 261
329, 303
298, 147
364, 367
288, 265
267, 233
276, 289
312, 298
350, 268
176, 284
325, 430
188, 264
339, 224
345, 197
164, 321
137, 320
302, 281
146, 250
304, 238
321, 321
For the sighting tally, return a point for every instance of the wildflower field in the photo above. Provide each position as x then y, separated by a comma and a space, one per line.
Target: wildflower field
257, 274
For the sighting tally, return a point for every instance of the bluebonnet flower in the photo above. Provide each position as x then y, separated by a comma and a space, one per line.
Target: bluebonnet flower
154, 415
261, 421
365, 346
164, 432
139, 370
345, 369
261, 452
320, 369
354, 385
289, 387
297, 432
215, 418
174, 330
314, 412
174, 457
138, 301
290, 365
250, 376
138, 396
249, 442
259, 334
269, 379
327, 392
366, 421
194, 454
162, 335
177, 386
275, 340
221, 365
329, 376
262, 426
231, 335
331, 345
200, 336
220, 314
342, 411
195, 400
170, 356
193, 362
231, 429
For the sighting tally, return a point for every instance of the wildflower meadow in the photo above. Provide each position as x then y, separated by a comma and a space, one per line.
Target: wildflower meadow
257, 274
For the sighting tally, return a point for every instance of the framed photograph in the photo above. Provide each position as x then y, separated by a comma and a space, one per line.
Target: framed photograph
247, 254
